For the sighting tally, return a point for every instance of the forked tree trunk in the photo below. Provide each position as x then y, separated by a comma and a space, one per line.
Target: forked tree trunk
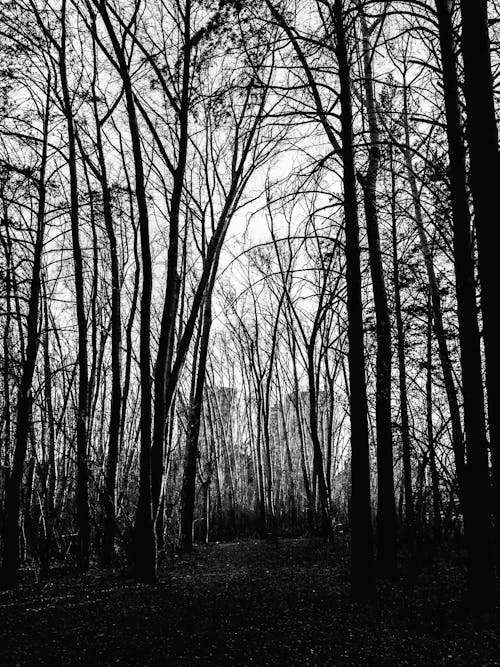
144, 542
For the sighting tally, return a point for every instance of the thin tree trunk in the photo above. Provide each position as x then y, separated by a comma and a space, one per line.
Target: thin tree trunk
116, 389
128, 337
403, 391
260, 472
193, 430
318, 467
50, 475
444, 355
82, 500
288, 453
386, 533
6, 334
436, 501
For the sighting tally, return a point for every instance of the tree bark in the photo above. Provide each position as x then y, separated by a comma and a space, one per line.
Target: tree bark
82, 499
436, 500
144, 542
108, 552
362, 566
444, 355
167, 329
386, 533
10, 546
191, 455
482, 137
403, 391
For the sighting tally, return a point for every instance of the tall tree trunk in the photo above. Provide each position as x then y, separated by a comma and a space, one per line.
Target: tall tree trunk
128, 333
318, 466
116, 387
6, 338
144, 542
266, 404
50, 465
167, 329
362, 566
271, 512
436, 501
260, 473
444, 355
82, 499
300, 431
10, 546
403, 391
191, 454
482, 137
260, 504
386, 534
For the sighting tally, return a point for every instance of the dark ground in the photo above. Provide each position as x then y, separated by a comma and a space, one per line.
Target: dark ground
244, 603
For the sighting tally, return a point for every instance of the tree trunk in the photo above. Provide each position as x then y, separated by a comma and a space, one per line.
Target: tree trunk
10, 546
6, 337
191, 455
436, 500
167, 329
403, 392
116, 388
82, 499
318, 467
444, 355
482, 137
362, 570
386, 534
50, 465
144, 543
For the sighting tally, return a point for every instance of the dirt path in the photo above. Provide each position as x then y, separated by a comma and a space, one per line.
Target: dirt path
246, 603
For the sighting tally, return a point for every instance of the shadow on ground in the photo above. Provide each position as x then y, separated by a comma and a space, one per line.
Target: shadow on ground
244, 603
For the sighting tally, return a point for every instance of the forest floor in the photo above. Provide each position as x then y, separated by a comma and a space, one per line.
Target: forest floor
245, 603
